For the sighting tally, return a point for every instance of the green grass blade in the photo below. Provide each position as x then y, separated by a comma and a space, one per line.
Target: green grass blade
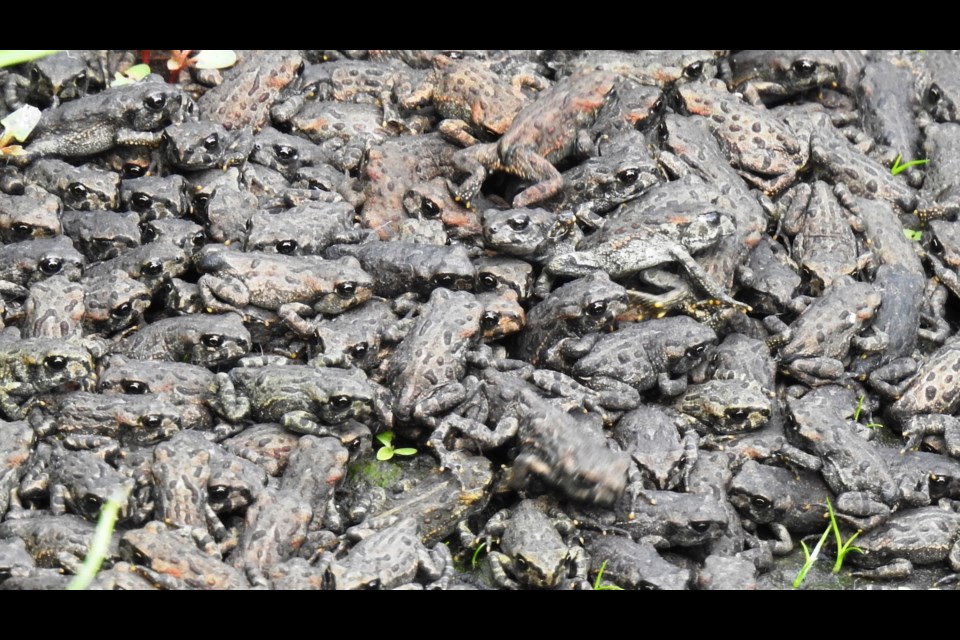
811, 557
10, 57
476, 554
99, 545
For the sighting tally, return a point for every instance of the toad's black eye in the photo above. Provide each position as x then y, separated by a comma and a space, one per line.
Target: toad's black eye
286, 153
346, 289
201, 200
122, 311
693, 71
444, 280
133, 170
804, 68
939, 481
134, 387
212, 340
488, 281
628, 176
934, 94
429, 209
148, 234
522, 563
218, 492
92, 503
155, 102
77, 190
489, 320
696, 352
151, 421
712, 218
198, 239
286, 247
359, 350
21, 230
519, 223
51, 266
340, 402
152, 268
211, 142
55, 363
700, 526
596, 309
760, 502
140, 202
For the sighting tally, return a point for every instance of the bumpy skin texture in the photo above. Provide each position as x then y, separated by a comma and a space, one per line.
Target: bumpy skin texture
36, 365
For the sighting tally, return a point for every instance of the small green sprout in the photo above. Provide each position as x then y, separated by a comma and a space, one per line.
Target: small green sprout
856, 416
913, 234
809, 558
10, 57
843, 548
597, 583
899, 168
387, 451
476, 554
134, 74
100, 543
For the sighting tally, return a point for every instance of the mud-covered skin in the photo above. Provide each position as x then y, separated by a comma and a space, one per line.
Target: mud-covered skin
473, 100
623, 168
823, 240
57, 541
16, 444
153, 197
388, 559
250, 89
553, 446
663, 518
268, 445
80, 188
102, 235
36, 365
34, 214
307, 229
197, 390
23, 263
191, 146
762, 149
940, 195
170, 559
775, 76
127, 115
209, 340
642, 355
54, 308
933, 389
355, 338
851, 466
634, 565
291, 285
75, 481
550, 129
626, 245
403, 267
727, 406
314, 400
83, 420
292, 519
394, 168
926, 535
822, 337
571, 311
532, 551
113, 302
428, 365
783, 499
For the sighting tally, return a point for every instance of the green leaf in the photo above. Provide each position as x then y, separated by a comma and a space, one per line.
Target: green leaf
100, 543
215, 59
20, 123
385, 438
134, 74
899, 168
405, 451
384, 453
913, 234
10, 57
